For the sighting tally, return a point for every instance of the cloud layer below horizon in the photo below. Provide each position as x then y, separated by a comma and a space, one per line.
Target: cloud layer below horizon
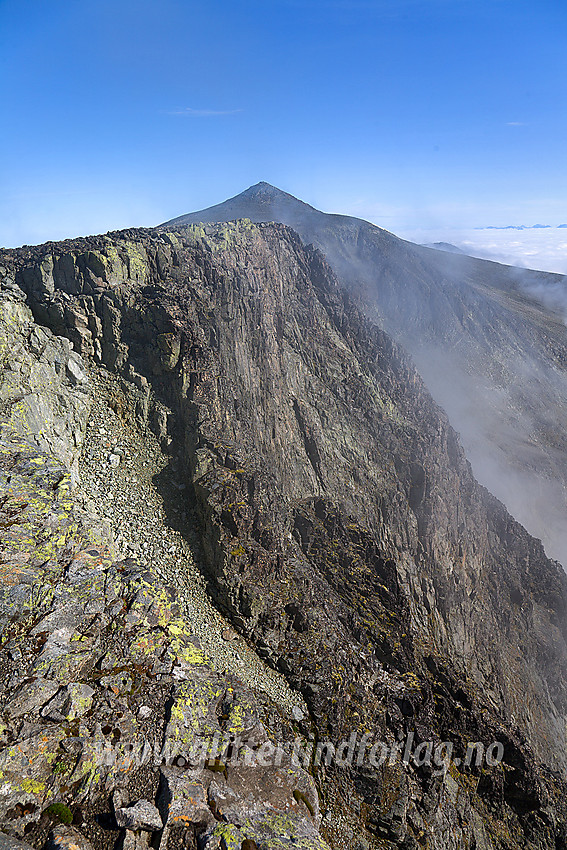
544, 250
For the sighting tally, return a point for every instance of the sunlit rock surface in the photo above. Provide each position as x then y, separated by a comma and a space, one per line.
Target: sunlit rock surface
342, 532
488, 339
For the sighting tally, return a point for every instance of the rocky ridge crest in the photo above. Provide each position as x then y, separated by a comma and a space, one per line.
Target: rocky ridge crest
341, 531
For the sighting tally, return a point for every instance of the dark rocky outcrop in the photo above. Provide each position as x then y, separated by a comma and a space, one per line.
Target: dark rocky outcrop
342, 532
488, 339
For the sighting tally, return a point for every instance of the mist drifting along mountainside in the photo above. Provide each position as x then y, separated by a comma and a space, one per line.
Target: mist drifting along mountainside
488, 339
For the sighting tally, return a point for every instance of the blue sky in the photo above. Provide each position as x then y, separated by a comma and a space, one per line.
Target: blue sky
411, 113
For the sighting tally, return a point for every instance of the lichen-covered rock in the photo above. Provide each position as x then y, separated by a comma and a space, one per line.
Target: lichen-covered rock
84, 643
44, 389
185, 800
343, 533
142, 815
67, 838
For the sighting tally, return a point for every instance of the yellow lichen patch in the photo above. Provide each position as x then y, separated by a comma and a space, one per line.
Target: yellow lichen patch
190, 711
278, 831
173, 239
229, 835
193, 234
191, 655
178, 627
136, 260
113, 263
32, 786
235, 722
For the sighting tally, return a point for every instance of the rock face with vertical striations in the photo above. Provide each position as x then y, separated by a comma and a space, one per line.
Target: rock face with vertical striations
488, 339
44, 391
342, 533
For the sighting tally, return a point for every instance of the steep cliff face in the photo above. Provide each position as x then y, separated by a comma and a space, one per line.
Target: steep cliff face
44, 393
342, 530
118, 729
490, 350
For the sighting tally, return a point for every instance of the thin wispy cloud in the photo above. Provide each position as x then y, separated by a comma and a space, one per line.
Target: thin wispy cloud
515, 124
188, 112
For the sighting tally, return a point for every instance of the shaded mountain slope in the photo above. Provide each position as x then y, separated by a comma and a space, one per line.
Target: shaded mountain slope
341, 530
489, 350
445, 246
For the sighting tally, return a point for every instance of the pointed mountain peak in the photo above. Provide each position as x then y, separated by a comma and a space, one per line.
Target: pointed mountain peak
268, 190
260, 202
262, 188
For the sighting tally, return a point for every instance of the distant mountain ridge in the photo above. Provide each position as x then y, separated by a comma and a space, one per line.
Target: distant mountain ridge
444, 246
492, 354
520, 227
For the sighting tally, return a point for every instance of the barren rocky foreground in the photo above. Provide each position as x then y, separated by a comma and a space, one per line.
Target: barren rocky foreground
231, 506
